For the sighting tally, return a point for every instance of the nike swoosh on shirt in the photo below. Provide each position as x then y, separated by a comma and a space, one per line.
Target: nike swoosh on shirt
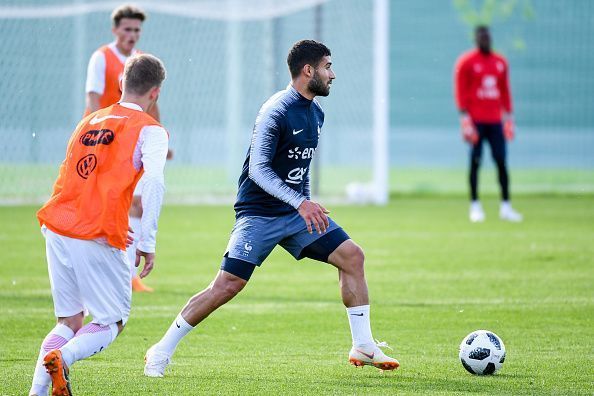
96, 120
296, 132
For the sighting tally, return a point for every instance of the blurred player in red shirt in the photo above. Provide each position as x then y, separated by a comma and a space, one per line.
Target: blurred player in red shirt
484, 100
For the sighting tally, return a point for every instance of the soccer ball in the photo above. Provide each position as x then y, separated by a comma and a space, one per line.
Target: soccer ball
482, 352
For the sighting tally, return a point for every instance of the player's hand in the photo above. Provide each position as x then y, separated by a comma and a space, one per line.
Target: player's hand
509, 127
468, 129
315, 216
129, 238
149, 262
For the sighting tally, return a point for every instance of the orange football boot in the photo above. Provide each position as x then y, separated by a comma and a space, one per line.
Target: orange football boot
54, 364
140, 287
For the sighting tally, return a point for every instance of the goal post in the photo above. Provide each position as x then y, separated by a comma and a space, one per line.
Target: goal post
381, 101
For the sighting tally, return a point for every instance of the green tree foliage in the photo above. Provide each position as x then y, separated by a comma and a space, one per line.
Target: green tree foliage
489, 12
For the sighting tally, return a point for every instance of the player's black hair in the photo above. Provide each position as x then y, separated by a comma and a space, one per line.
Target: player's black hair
306, 52
478, 28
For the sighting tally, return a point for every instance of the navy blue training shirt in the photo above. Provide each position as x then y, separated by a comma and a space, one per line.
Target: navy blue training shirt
275, 176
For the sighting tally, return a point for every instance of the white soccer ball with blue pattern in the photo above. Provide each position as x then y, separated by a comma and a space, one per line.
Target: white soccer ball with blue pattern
482, 352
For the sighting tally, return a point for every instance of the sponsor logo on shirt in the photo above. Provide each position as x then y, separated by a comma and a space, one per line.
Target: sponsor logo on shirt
86, 165
95, 137
488, 88
295, 176
306, 153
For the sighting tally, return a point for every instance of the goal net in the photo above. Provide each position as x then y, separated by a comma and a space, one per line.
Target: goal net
224, 59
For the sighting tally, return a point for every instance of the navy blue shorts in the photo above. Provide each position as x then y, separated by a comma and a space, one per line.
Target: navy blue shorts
254, 237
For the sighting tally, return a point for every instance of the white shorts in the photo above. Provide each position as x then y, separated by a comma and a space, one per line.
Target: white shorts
88, 276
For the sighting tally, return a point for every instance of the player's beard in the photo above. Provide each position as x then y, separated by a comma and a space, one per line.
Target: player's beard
317, 87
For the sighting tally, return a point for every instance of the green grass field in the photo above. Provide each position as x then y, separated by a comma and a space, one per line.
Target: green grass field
433, 278
32, 183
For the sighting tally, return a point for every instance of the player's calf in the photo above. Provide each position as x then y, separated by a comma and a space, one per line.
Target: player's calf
88, 341
223, 288
349, 258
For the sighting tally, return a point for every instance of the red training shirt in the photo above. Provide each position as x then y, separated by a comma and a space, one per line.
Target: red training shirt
482, 86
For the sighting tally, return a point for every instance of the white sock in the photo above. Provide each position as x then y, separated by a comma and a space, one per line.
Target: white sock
55, 339
178, 329
89, 340
476, 204
505, 205
360, 325
135, 224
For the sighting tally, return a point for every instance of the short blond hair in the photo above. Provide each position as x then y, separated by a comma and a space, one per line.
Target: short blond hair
142, 73
127, 11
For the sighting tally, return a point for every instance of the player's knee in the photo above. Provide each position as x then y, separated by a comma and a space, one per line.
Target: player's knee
75, 322
354, 258
121, 326
231, 288
228, 288
358, 258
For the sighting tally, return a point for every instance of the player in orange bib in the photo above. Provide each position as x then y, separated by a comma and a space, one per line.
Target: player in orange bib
103, 89
85, 223
106, 65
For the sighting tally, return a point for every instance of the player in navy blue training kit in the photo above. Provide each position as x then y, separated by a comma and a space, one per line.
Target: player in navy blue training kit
274, 207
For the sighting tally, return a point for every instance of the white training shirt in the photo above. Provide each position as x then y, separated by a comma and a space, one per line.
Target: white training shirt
96, 69
150, 153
